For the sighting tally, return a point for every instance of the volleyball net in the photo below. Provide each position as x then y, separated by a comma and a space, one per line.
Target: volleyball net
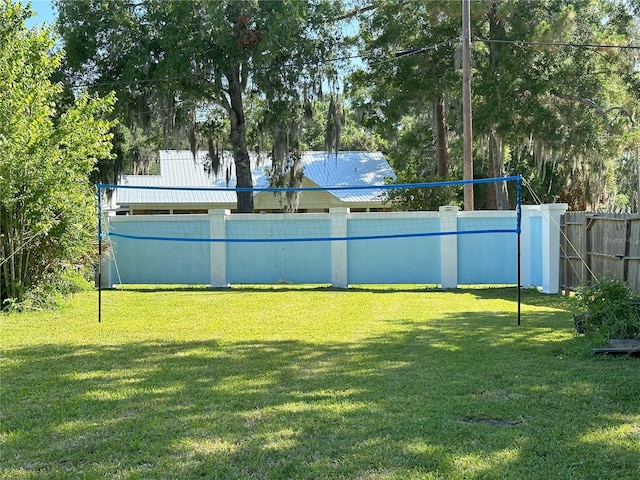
173, 214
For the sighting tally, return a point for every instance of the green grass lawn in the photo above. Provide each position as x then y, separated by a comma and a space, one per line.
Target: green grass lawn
286, 382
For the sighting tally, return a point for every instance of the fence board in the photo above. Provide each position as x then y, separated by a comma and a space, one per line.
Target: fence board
595, 244
572, 249
633, 267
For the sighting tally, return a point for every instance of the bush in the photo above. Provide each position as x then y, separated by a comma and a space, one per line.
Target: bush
606, 309
53, 292
419, 199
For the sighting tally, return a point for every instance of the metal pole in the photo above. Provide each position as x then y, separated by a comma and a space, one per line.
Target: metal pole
99, 252
467, 130
519, 282
518, 230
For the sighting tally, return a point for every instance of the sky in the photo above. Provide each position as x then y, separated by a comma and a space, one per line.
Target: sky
43, 10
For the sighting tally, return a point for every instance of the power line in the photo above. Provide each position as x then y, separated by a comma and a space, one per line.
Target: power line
560, 44
414, 51
364, 56
369, 56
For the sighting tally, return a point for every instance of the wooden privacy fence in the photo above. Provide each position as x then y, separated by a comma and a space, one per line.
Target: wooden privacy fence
599, 244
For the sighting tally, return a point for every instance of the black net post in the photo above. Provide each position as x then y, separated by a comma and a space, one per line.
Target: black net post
518, 230
99, 252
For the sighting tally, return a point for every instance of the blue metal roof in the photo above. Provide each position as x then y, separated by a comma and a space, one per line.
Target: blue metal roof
178, 168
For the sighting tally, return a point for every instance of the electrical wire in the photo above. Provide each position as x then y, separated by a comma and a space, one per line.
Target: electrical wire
371, 57
559, 44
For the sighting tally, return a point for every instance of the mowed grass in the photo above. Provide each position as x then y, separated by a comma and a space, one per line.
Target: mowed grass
287, 382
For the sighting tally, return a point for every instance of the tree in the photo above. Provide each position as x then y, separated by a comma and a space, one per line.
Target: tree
543, 98
47, 206
544, 106
219, 53
353, 136
403, 78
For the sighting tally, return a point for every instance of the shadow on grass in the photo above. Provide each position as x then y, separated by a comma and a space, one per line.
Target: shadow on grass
529, 296
272, 288
453, 398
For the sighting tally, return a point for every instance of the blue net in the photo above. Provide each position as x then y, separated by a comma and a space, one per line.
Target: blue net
338, 213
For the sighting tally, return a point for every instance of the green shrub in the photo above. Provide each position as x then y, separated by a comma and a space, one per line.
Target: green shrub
54, 290
606, 309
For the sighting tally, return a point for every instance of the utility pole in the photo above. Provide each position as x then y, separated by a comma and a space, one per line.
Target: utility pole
467, 131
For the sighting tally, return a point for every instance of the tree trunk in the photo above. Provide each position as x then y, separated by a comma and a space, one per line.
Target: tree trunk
497, 195
442, 146
497, 198
239, 141
295, 173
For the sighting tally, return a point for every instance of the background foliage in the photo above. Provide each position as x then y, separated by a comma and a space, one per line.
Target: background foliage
195, 78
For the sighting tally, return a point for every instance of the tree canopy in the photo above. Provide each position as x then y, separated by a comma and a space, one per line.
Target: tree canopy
195, 65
